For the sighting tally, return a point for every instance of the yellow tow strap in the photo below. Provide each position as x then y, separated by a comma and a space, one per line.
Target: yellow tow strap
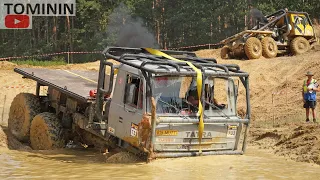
199, 88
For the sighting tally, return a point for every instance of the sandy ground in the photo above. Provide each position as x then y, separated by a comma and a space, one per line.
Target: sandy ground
275, 95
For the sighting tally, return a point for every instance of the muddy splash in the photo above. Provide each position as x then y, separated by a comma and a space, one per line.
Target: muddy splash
8, 141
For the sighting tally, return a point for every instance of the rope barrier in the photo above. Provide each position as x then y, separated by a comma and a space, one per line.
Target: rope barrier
98, 52
50, 54
195, 46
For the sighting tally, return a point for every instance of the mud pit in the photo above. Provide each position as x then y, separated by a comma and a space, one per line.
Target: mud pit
299, 142
277, 113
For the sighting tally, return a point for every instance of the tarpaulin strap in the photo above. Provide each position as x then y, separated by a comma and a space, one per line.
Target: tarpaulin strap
199, 88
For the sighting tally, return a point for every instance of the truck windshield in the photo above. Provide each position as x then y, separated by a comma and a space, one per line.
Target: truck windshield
178, 95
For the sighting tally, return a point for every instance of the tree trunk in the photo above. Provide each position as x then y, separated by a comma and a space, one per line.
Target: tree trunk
54, 32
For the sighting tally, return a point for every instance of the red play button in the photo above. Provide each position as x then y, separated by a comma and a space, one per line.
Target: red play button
17, 21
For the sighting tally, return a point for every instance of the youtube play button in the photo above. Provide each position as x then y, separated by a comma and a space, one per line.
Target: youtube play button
17, 21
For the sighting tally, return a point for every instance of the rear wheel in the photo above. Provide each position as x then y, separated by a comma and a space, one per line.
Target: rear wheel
46, 132
23, 109
239, 52
269, 47
225, 52
299, 45
253, 48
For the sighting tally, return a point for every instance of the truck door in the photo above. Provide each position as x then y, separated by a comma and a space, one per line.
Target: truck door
128, 111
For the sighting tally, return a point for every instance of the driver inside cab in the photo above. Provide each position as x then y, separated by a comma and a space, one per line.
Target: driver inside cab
193, 99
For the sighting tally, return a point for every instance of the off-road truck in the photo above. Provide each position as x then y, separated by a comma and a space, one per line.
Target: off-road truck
287, 32
138, 103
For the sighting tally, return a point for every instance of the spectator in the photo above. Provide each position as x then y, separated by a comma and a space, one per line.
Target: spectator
309, 88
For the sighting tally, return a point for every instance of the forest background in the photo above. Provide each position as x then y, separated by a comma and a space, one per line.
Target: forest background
134, 23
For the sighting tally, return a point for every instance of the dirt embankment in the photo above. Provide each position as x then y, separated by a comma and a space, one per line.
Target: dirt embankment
299, 142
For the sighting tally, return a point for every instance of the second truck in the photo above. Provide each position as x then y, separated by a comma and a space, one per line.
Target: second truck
285, 31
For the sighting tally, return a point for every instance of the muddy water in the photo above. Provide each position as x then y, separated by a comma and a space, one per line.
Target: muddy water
80, 164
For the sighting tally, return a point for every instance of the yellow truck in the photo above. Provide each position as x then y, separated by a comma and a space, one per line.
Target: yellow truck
286, 31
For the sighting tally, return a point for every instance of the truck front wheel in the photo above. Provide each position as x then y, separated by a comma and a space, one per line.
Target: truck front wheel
299, 45
46, 132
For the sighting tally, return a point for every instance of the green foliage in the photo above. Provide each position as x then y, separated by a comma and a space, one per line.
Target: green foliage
34, 62
173, 24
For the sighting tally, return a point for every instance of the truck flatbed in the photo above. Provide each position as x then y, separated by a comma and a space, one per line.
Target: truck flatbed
76, 83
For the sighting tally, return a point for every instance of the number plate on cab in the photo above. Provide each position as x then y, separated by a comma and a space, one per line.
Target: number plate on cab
232, 130
166, 132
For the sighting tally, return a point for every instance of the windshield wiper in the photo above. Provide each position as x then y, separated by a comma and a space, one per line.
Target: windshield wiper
189, 103
212, 105
194, 107
169, 104
178, 110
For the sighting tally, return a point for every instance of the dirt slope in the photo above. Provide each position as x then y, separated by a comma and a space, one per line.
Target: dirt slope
299, 142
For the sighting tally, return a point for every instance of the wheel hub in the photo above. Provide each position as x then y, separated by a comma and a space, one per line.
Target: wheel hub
301, 45
255, 48
270, 47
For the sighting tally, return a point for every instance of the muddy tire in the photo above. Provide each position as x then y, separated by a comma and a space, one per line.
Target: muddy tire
253, 48
46, 132
23, 109
239, 52
299, 45
225, 52
269, 47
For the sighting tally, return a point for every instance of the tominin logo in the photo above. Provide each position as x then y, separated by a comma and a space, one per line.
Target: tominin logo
17, 14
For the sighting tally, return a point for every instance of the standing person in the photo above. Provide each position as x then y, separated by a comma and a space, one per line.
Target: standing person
309, 95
